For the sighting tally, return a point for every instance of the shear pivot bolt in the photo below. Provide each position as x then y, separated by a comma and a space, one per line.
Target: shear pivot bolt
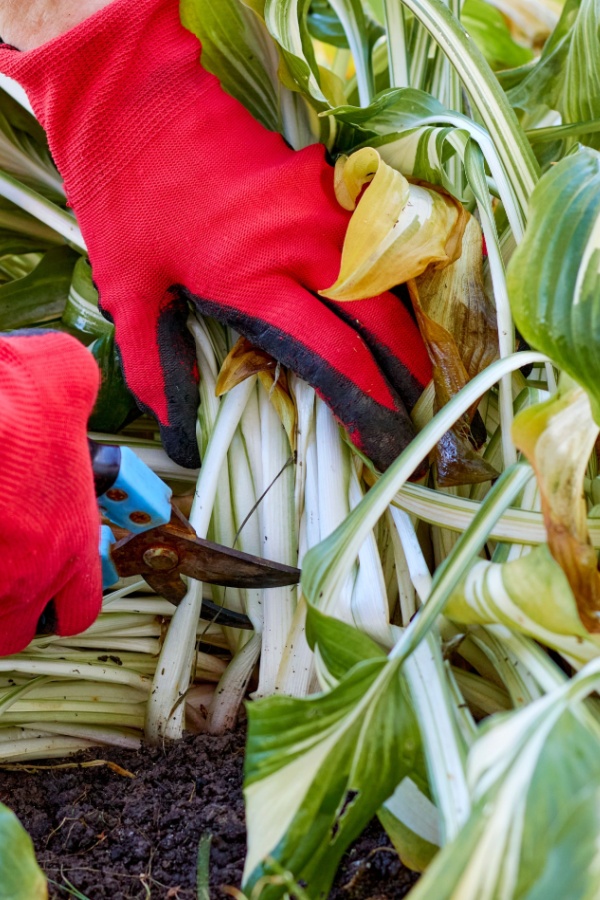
161, 558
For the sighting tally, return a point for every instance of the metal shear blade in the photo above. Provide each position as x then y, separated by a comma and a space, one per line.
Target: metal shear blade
163, 554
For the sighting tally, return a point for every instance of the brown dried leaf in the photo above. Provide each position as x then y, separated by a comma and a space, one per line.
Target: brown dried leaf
243, 361
454, 456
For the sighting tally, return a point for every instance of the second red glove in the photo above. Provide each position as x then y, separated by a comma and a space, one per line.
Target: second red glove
49, 520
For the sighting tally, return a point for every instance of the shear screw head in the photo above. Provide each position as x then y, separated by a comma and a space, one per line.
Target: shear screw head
161, 558
140, 518
117, 495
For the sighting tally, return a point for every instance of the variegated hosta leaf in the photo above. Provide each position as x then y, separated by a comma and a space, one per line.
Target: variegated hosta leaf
286, 21
412, 824
581, 97
535, 827
20, 876
397, 230
554, 275
458, 324
567, 74
40, 296
557, 438
24, 150
530, 595
417, 136
81, 312
318, 769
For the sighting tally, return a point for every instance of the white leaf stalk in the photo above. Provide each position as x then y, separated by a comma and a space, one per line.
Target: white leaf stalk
279, 541
47, 212
165, 707
327, 567
432, 702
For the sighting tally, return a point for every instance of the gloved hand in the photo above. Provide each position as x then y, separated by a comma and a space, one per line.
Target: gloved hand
182, 197
49, 520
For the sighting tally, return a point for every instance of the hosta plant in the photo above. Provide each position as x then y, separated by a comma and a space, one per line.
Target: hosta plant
435, 665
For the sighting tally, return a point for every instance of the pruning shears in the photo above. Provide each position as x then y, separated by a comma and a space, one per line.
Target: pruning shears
149, 536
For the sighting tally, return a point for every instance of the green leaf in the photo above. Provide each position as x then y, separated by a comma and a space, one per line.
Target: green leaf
567, 75
324, 25
287, 22
318, 769
81, 315
554, 276
488, 99
581, 94
489, 30
24, 150
20, 876
340, 645
115, 406
40, 296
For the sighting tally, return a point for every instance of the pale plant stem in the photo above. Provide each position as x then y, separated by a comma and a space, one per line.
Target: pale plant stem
279, 542
165, 711
432, 702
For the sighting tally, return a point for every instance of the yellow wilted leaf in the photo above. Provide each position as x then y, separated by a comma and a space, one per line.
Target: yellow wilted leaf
397, 230
557, 437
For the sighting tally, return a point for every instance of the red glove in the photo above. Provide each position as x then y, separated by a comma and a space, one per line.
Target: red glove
49, 522
182, 196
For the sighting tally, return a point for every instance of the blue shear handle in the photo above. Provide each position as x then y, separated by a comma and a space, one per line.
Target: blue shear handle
110, 575
138, 499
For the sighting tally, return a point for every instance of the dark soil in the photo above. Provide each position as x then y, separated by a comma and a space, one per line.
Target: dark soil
113, 837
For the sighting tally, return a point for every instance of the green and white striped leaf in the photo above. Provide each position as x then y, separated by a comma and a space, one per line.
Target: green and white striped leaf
318, 769
535, 780
554, 275
581, 91
24, 150
81, 313
20, 876
287, 22
418, 136
530, 595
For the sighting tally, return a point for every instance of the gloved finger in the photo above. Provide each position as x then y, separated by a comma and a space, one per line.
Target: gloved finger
313, 340
78, 602
394, 340
295, 327
160, 369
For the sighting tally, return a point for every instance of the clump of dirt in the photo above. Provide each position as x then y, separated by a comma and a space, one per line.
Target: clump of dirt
113, 837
